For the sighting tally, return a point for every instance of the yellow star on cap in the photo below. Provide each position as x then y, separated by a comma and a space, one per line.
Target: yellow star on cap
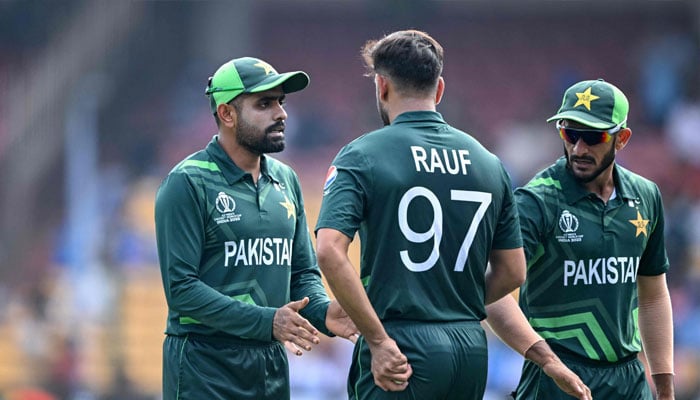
640, 223
289, 206
585, 98
267, 67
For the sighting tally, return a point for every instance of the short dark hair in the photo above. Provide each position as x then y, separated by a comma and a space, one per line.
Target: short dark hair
410, 58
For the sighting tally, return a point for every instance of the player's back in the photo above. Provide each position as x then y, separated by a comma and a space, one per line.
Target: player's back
434, 200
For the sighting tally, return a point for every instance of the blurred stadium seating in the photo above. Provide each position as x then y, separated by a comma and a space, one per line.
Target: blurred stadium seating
81, 304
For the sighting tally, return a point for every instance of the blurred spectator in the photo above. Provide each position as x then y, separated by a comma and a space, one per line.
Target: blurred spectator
664, 65
134, 242
683, 124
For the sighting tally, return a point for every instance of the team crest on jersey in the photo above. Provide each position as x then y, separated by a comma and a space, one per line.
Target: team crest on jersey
330, 178
289, 206
568, 224
640, 224
226, 206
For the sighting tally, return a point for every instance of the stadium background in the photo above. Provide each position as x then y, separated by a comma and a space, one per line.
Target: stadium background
98, 100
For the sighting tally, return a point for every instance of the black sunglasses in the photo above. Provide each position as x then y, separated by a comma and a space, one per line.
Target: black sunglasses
591, 137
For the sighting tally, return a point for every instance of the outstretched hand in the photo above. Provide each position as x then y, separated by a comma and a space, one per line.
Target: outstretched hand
293, 330
338, 322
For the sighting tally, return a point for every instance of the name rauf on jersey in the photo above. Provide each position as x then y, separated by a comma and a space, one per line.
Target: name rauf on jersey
601, 271
258, 251
445, 161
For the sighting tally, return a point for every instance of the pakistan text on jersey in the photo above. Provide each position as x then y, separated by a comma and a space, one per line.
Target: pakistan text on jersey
444, 161
258, 252
601, 271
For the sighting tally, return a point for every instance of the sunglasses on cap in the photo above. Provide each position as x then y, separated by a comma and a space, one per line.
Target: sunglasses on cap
590, 136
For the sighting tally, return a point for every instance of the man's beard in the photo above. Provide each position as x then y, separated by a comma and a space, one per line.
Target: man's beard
608, 159
256, 140
383, 113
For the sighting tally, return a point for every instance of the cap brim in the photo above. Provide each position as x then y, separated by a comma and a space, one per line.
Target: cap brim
290, 81
582, 118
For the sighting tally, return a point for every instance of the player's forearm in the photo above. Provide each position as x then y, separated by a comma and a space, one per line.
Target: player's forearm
508, 323
306, 277
348, 290
541, 354
306, 282
656, 329
656, 323
346, 285
506, 272
664, 386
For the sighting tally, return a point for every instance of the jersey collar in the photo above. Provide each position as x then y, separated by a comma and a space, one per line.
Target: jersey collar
623, 183
418, 116
575, 192
232, 173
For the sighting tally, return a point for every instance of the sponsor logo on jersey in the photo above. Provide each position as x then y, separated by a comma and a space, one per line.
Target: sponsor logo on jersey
601, 271
258, 252
330, 178
226, 206
568, 224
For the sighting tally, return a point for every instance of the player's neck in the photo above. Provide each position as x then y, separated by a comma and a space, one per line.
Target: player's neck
241, 156
402, 105
603, 185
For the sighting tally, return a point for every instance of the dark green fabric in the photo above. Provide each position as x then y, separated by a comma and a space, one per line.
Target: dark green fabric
197, 369
413, 189
625, 381
584, 257
232, 252
449, 361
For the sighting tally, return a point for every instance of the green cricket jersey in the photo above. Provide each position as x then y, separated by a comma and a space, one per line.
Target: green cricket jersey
584, 257
232, 252
430, 202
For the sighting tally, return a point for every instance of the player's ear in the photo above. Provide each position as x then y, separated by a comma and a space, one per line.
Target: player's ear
440, 90
227, 114
623, 137
382, 84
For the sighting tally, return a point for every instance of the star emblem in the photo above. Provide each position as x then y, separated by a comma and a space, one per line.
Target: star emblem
640, 223
289, 206
585, 99
267, 67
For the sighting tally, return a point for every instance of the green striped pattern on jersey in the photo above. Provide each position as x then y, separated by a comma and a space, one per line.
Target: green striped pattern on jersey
584, 257
232, 251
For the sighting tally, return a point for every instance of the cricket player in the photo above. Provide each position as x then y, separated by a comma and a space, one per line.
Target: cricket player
238, 267
432, 207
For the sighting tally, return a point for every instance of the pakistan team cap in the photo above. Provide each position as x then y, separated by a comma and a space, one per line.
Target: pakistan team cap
594, 103
250, 75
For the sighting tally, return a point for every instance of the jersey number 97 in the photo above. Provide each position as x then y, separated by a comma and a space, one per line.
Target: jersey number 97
435, 230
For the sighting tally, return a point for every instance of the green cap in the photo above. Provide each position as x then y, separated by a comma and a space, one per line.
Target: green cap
250, 75
597, 104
